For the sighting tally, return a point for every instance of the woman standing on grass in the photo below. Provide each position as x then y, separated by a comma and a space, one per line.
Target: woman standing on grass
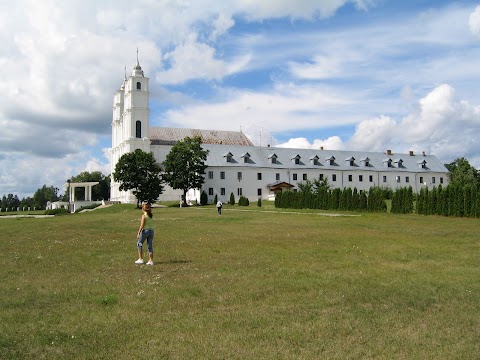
145, 232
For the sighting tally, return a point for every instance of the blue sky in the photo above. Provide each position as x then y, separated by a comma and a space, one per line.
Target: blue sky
364, 75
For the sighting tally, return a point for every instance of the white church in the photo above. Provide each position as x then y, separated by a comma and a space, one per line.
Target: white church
236, 166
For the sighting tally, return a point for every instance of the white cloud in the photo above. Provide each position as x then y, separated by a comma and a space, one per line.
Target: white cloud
31, 172
374, 134
221, 25
192, 60
474, 21
441, 125
322, 67
287, 107
302, 9
331, 143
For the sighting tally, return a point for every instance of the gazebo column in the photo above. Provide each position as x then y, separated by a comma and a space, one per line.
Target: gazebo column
72, 193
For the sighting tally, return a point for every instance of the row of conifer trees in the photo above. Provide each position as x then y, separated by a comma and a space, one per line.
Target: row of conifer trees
333, 199
447, 201
450, 201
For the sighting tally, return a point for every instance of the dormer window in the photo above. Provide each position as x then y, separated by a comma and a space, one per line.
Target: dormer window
399, 162
273, 158
228, 157
296, 160
387, 162
246, 158
422, 164
314, 160
351, 161
330, 160
366, 161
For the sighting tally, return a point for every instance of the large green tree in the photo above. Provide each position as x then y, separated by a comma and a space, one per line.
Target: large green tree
461, 173
44, 194
9, 202
185, 166
139, 172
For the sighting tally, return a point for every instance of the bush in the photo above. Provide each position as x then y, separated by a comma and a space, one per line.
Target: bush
243, 201
203, 198
259, 202
215, 199
56, 212
232, 199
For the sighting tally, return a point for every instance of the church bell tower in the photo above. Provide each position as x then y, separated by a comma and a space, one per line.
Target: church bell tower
130, 124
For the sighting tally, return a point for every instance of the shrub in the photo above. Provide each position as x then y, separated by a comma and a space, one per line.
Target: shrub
56, 212
232, 199
259, 202
203, 198
243, 201
215, 199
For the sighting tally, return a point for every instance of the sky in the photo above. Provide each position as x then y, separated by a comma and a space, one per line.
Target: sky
364, 75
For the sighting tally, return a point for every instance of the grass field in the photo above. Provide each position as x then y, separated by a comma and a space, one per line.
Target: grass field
248, 284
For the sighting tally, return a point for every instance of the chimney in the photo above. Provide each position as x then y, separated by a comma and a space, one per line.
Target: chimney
423, 153
268, 145
389, 152
411, 153
321, 147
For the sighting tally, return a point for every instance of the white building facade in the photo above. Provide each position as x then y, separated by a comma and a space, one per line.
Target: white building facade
236, 166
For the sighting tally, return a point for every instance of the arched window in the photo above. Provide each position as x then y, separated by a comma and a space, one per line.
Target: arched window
138, 129
139, 85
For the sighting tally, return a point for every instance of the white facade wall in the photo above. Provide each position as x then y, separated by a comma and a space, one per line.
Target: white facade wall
250, 184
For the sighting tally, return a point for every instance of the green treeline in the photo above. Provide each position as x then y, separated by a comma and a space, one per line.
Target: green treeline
461, 201
333, 199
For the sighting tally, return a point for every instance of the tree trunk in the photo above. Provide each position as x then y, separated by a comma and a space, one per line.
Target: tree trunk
184, 198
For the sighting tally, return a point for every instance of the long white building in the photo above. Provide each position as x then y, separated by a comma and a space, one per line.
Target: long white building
236, 166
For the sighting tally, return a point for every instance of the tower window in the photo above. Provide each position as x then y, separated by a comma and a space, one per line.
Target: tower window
139, 85
138, 129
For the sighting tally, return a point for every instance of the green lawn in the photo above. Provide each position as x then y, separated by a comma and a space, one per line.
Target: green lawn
248, 284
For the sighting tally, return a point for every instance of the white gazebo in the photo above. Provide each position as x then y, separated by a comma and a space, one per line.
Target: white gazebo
73, 204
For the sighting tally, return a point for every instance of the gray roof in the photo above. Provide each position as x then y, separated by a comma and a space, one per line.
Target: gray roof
170, 136
260, 157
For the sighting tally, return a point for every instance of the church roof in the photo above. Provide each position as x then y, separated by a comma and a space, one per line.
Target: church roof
169, 136
260, 157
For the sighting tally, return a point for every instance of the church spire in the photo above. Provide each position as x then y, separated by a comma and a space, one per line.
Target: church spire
137, 69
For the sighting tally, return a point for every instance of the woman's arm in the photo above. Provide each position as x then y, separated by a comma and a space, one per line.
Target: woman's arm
142, 224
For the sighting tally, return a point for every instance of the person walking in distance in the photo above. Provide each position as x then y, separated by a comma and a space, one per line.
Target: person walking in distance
145, 232
219, 206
